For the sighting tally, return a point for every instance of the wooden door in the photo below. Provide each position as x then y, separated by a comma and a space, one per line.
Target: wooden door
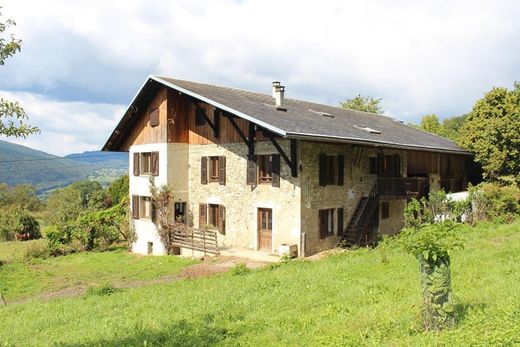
265, 229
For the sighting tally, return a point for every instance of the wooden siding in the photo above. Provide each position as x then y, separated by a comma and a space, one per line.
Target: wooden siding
142, 132
422, 163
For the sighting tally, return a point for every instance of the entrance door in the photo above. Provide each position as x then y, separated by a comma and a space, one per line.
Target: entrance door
265, 229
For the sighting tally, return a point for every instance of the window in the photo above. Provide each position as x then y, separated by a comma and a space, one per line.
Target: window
265, 168
331, 169
146, 163
142, 208
150, 248
326, 222
214, 215
154, 117
385, 210
372, 165
213, 169
216, 172
180, 212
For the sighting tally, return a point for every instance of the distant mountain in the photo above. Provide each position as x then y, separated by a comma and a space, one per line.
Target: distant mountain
20, 164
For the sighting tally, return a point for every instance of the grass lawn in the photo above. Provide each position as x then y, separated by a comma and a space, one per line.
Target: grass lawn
21, 279
364, 297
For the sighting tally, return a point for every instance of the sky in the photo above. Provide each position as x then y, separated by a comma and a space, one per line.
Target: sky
83, 61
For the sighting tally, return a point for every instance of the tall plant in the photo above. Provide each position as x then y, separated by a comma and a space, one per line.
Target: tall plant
161, 200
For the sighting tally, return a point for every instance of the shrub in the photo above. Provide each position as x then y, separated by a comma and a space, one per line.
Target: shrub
102, 290
20, 224
492, 201
37, 250
240, 269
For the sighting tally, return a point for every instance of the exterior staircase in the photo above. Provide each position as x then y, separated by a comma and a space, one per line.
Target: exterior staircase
360, 229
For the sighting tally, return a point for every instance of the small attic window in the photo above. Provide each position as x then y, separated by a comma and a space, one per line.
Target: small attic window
324, 114
367, 129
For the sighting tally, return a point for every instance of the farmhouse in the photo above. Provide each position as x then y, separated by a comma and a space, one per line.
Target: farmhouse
262, 171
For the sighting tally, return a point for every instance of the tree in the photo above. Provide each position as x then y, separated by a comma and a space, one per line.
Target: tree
431, 124
118, 189
449, 128
491, 131
12, 115
363, 103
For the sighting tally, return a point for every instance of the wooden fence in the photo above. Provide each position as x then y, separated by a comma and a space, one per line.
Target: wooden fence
195, 239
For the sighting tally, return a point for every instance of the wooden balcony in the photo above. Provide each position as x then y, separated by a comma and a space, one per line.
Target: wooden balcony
402, 187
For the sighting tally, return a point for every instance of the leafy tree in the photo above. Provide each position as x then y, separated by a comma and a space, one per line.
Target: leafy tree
453, 125
12, 115
88, 190
491, 131
449, 128
431, 124
363, 103
63, 206
118, 189
21, 196
18, 223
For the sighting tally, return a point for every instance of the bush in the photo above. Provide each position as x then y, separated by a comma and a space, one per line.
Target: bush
492, 201
18, 224
37, 250
240, 269
102, 290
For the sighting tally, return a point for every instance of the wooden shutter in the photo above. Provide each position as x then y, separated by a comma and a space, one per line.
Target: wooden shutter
323, 170
203, 215
340, 221
322, 215
136, 164
275, 165
251, 170
154, 117
222, 219
222, 170
397, 159
135, 206
155, 163
341, 169
381, 165
204, 170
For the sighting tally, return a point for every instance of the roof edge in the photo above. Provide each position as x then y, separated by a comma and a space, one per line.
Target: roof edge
317, 137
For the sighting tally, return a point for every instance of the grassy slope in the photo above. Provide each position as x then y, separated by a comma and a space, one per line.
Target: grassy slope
20, 279
349, 299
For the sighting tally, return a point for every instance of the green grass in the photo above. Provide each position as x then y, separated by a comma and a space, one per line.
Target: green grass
365, 297
22, 279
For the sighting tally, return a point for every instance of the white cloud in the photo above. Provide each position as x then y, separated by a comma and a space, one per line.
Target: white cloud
419, 56
66, 127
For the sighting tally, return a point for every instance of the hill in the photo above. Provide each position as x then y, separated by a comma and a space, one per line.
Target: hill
20, 164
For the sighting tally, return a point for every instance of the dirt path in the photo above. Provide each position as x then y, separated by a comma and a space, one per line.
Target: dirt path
208, 267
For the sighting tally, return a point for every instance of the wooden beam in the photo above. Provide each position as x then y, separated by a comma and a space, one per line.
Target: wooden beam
203, 112
237, 128
290, 162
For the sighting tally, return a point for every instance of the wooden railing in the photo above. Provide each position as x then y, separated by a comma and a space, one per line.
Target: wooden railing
359, 229
195, 239
403, 186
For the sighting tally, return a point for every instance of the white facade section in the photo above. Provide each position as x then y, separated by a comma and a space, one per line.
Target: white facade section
146, 230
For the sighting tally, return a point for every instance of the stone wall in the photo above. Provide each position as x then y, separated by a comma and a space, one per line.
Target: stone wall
357, 183
241, 200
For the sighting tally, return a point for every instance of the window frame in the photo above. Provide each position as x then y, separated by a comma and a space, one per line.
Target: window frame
264, 163
330, 223
213, 215
145, 205
213, 169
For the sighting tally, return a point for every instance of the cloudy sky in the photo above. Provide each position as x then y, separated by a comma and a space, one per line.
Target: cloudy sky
83, 61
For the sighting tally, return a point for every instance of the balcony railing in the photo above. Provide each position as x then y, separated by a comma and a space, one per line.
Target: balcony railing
403, 186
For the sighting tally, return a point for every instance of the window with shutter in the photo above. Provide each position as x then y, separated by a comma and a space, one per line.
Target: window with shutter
204, 170
136, 164
203, 217
155, 163
251, 170
341, 169
265, 168
146, 163
323, 169
340, 221
213, 214
222, 170
154, 117
213, 169
276, 170
326, 222
222, 219
135, 206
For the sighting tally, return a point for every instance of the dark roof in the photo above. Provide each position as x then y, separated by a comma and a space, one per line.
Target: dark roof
304, 119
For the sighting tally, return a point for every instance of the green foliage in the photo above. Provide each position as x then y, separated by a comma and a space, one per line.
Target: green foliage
436, 208
22, 196
18, 223
449, 127
87, 190
118, 189
36, 251
12, 115
240, 269
363, 103
161, 202
63, 206
491, 132
102, 290
492, 201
